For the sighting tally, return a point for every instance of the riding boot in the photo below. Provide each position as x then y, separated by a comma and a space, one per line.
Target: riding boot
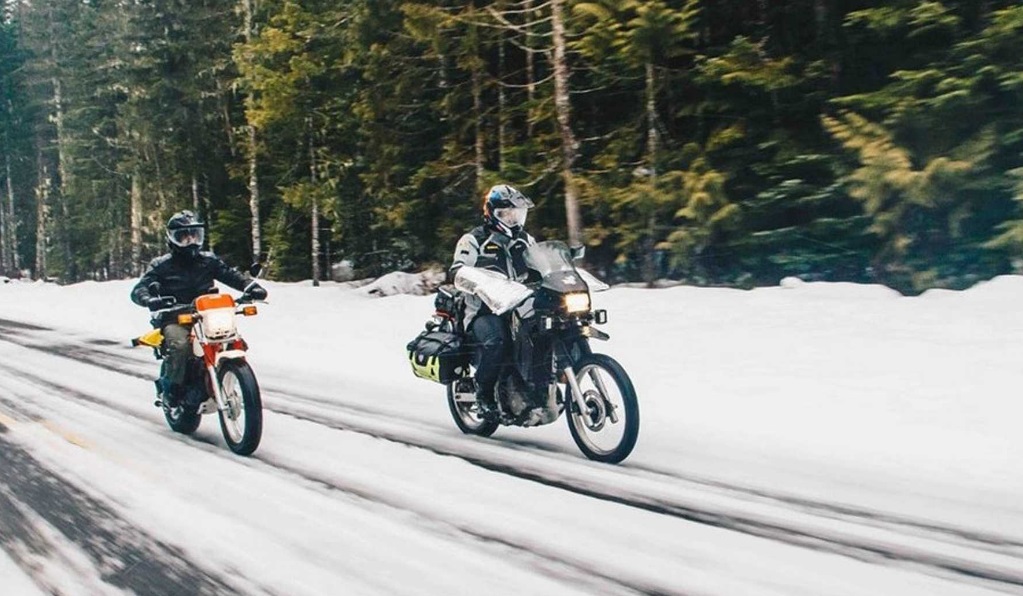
173, 394
486, 402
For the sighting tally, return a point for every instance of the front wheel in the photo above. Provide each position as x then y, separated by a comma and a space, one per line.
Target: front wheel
467, 419
242, 421
606, 431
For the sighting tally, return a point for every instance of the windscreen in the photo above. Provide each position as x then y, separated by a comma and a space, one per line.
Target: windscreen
549, 257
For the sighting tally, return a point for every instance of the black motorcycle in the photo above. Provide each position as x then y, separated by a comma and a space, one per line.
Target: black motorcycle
551, 367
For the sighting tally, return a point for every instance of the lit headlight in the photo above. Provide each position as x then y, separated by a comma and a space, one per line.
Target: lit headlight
577, 302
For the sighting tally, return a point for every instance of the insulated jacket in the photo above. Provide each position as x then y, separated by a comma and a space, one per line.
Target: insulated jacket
489, 249
187, 278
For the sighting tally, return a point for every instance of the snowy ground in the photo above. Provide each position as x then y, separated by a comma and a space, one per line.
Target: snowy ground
818, 439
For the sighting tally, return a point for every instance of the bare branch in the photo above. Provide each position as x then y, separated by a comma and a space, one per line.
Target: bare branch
525, 85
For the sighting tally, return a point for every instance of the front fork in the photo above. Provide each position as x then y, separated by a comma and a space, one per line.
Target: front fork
577, 393
209, 356
218, 392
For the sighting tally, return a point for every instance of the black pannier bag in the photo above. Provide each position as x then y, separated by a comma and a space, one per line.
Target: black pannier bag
438, 356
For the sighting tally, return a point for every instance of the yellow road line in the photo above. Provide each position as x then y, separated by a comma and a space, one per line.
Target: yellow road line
65, 434
8, 422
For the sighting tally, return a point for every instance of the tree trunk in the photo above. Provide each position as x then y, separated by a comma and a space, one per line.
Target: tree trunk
5, 255
502, 103
315, 213
563, 106
652, 147
64, 174
316, 242
136, 222
161, 196
820, 15
12, 218
257, 241
113, 256
530, 69
225, 106
42, 213
207, 213
477, 108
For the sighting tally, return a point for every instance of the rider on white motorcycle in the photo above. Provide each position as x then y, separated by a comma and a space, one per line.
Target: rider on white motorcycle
497, 245
185, 273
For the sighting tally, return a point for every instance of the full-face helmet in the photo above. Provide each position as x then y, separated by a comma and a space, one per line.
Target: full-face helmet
185, 234
505, 208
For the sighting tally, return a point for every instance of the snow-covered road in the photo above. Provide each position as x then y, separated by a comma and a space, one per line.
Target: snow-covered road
363, 486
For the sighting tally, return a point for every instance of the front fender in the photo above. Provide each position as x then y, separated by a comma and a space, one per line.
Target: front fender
230, 355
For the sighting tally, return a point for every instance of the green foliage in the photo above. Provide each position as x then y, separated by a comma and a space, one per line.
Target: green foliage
720, 142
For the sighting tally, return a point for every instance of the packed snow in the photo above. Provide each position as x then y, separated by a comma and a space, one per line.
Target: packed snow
795, 428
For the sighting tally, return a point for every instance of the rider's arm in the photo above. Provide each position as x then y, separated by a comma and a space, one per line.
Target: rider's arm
140, 293
466, 254
228, 275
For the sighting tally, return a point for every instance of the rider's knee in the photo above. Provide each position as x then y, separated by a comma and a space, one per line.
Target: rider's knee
175, 338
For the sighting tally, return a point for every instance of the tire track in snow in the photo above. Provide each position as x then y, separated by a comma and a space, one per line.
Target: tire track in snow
118, 363
861, 548
858, 548
553, 564
998, 544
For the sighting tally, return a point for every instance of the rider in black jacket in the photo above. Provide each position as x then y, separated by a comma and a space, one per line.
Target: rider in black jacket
497, 245
185, 273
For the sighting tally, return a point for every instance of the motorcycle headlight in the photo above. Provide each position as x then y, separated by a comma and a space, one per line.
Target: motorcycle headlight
577, 302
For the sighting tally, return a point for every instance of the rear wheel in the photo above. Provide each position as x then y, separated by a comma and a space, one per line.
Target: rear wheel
467, 419
242, 421
178, 417
180, 420
607, 429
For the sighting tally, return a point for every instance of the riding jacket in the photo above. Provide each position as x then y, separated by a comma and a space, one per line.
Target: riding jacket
187, 278
487, 248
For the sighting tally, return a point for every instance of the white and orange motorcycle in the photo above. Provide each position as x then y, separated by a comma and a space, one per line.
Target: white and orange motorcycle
218, 378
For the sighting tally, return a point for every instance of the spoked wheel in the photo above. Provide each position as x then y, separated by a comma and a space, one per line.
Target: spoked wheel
463, 410
242, 421
607, 429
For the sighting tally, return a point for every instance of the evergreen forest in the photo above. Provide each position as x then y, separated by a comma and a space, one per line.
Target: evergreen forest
719, 142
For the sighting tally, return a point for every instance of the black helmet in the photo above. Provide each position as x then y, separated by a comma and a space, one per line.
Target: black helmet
505, 208
185, 234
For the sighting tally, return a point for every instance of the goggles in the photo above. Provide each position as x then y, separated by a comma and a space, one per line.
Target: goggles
187, 236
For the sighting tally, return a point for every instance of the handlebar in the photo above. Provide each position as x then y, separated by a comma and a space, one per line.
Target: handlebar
172, 306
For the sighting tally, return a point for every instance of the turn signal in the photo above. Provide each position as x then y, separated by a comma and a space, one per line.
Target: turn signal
250, 310
186, 319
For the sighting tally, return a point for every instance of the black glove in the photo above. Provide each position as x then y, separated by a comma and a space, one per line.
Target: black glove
156, 303
256, 292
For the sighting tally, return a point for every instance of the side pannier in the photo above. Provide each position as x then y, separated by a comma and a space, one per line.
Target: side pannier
438, 356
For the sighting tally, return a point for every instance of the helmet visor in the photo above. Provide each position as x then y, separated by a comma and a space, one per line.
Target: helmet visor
513, 217
187, 236
505, 196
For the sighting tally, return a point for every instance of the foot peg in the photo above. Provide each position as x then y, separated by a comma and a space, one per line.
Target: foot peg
487, 411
